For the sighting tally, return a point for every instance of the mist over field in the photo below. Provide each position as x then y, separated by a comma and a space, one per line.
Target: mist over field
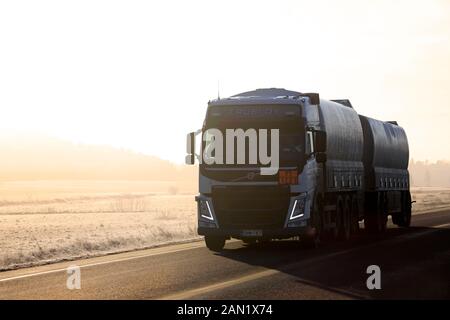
40, 157
429, 174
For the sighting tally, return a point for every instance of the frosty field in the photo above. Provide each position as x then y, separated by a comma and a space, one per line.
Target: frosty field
63, 220
48, 221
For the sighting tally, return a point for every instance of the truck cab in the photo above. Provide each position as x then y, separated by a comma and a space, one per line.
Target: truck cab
236, 200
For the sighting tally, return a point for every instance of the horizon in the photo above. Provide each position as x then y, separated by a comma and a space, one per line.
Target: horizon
57, 159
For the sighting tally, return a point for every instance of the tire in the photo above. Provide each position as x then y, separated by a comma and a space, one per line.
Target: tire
337, 232
397, 218
344, 216
354, 212
347, 220
370, 223
215, 243
313, 241
376, 219
381, 215
249, 241
404, 219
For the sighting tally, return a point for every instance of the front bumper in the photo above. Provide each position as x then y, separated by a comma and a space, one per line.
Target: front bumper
283, 233
245, 210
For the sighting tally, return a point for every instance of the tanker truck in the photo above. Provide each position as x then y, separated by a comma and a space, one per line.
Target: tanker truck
331, 169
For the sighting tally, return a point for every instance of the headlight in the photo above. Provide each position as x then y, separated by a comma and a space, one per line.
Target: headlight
298, 209
205, 210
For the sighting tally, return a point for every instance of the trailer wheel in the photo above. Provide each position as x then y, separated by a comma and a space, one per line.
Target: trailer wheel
404, 218
369, 222
345, 218
249, 241
355, 215
342, 224
215, 243
376, 219
348, 214
381, 214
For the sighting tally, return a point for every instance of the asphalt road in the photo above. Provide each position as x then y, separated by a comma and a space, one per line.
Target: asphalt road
414, 264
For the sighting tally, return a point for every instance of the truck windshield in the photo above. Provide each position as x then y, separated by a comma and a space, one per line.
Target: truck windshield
286, 118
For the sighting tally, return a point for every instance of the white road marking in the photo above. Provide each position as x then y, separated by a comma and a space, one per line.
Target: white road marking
193, 246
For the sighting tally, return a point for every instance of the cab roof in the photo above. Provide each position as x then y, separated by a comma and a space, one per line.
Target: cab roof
261, 96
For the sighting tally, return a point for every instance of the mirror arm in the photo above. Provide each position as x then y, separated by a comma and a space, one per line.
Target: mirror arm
190, 147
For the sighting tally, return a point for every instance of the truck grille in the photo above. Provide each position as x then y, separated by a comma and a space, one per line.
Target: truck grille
260, 207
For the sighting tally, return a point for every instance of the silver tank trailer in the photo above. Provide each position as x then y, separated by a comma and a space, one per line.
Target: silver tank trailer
386, 155
344, 166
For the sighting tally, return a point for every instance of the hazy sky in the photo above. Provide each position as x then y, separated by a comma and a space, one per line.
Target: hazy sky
138, 74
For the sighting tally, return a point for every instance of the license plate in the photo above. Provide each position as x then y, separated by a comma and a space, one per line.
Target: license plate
251, 233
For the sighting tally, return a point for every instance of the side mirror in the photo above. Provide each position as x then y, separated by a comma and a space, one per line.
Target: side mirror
313, 98
320, 141
190, 148
321, 157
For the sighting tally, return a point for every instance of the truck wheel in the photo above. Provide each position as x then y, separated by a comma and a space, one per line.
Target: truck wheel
355, 215
346, 219
215, 243
369, 222
397, 217
313, 240
342, 230
249, 241
404, 218
376, 219
337, 219
381, 215
374, 223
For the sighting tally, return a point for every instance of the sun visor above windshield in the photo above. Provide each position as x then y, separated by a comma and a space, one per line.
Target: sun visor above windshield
254, 111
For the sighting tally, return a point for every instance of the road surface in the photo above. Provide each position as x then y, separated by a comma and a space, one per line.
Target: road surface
414, 263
